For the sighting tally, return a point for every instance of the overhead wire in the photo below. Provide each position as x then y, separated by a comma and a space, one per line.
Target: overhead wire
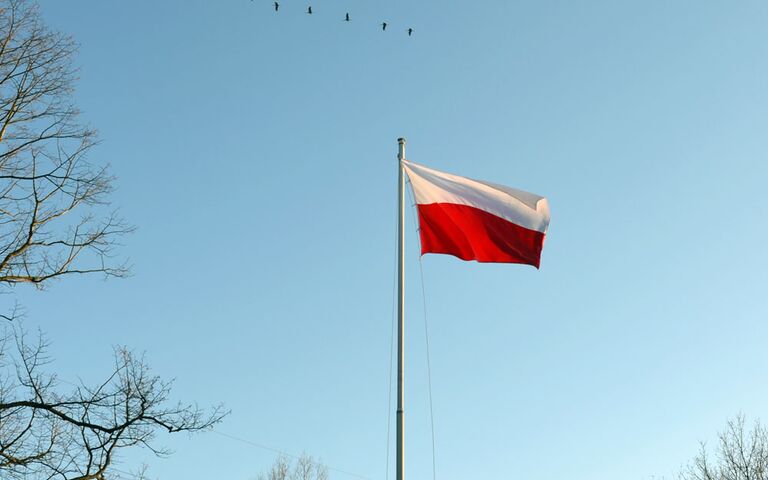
244, 441
283, 452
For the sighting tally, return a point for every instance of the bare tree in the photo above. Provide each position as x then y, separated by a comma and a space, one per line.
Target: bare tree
55, 222
740, 455
53, 208
304, 468
78, 435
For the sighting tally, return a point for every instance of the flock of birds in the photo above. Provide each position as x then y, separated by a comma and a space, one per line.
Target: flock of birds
384, 25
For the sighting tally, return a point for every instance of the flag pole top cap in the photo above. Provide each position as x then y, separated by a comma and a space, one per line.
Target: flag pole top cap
401, 140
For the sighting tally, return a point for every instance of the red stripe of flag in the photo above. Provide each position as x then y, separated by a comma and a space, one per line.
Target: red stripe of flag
470, 233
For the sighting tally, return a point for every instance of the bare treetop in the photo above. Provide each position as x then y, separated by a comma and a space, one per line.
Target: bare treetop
304, 468
740, 454
53, 219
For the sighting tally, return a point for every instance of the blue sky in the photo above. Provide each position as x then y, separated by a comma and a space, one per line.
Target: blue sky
255, 152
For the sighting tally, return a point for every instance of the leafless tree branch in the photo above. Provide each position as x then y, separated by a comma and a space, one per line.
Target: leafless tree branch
46, 434
54, 217
740, 455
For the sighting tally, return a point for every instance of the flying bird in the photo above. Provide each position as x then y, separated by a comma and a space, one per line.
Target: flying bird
277, 6
346, 19
383, 26
309, 10
410, 32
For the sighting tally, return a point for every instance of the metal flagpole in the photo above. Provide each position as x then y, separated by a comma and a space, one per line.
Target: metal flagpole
400, 308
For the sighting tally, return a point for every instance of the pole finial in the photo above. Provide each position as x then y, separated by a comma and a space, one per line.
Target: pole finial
401, 140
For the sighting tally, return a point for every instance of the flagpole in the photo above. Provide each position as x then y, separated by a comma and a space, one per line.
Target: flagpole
400, 458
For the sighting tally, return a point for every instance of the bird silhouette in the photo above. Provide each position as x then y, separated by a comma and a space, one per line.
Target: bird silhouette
346, 18
277, 6
410, 32
383, 26
309, 10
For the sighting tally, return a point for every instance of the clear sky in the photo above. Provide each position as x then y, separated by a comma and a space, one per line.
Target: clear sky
256, 155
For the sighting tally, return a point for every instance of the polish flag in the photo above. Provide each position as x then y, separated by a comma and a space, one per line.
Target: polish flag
475, 220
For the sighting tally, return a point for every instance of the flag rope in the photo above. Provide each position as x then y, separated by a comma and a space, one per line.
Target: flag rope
429, 370
426, 332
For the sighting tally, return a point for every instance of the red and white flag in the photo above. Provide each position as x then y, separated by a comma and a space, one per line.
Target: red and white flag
475, 220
